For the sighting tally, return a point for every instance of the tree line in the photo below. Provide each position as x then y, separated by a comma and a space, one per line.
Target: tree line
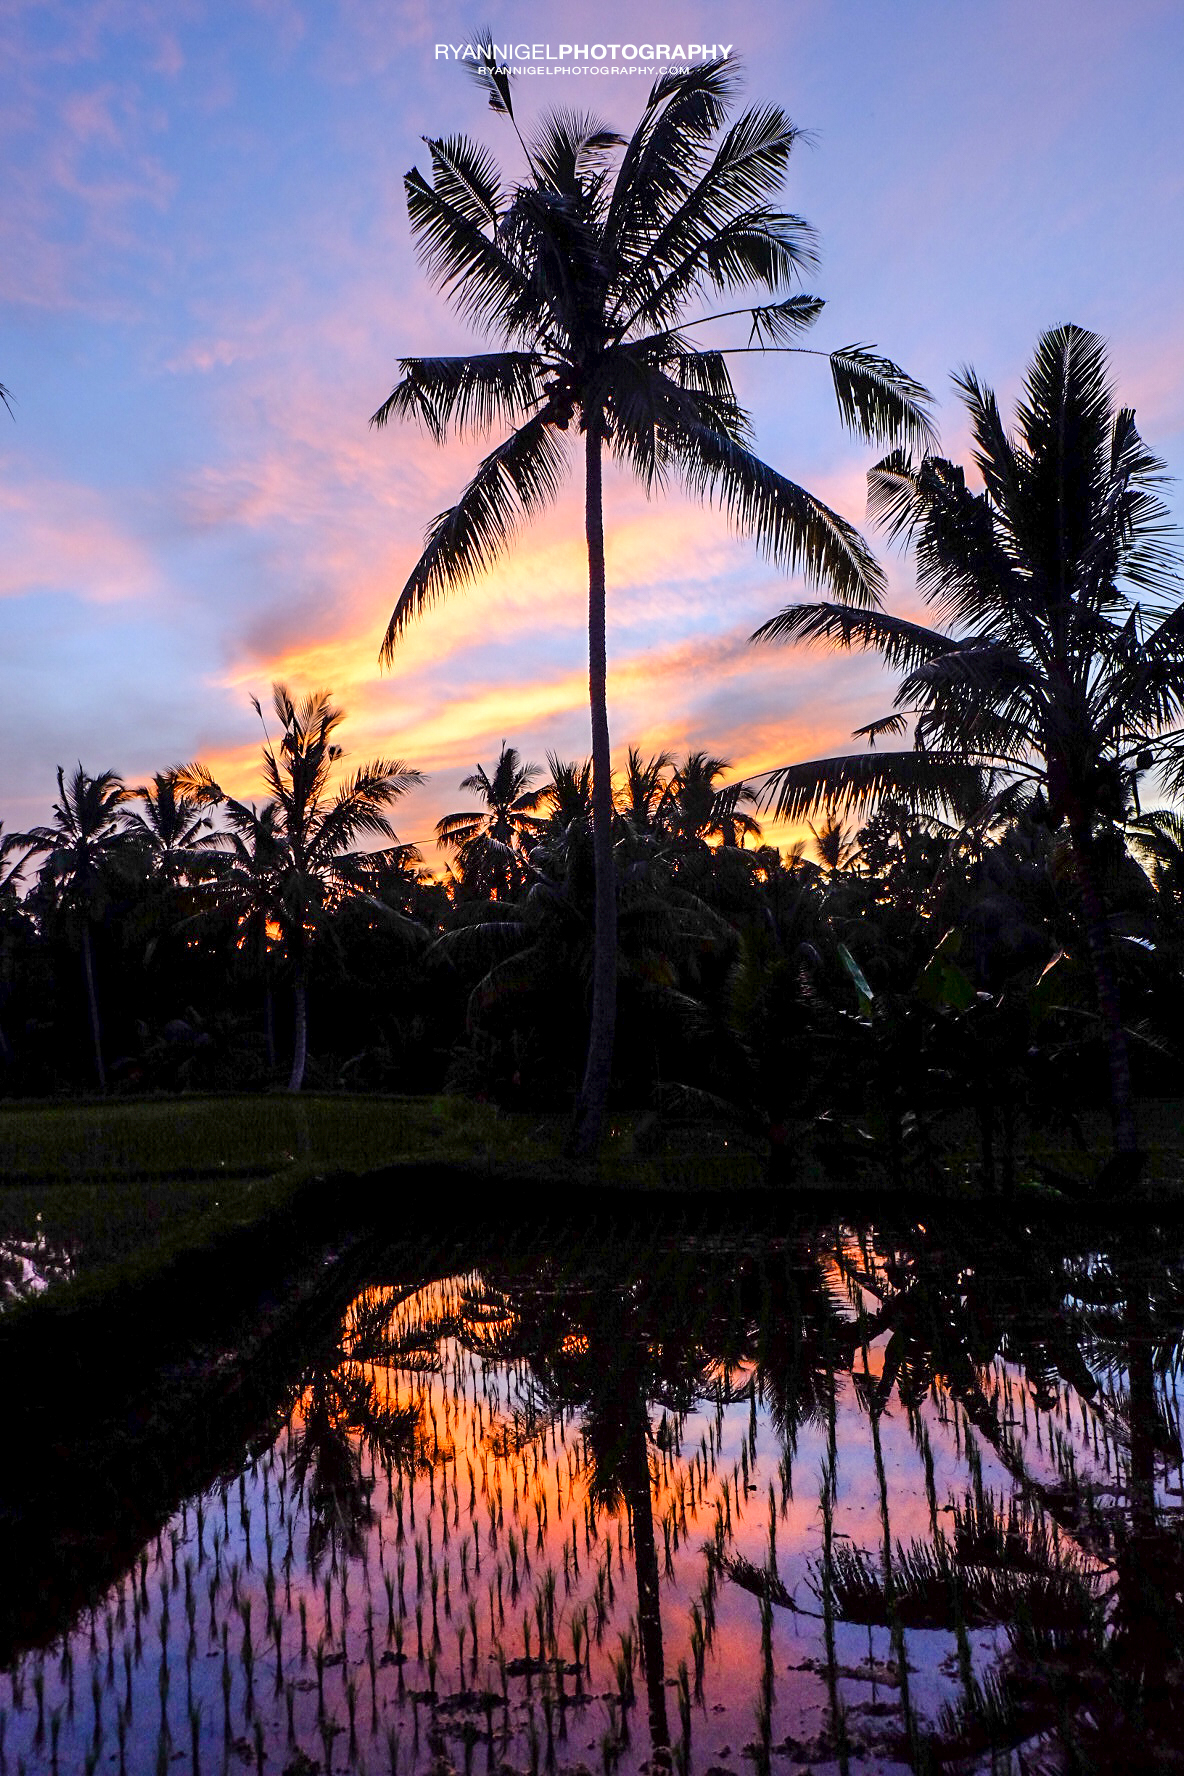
988, 916
864, 986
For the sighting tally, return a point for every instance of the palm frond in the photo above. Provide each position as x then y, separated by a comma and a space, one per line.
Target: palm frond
773, 323
927, 782
568, 145
466, 176
514, 481
664, 156
899, 642
791, 526
881, 402
872, 731
747, 168
493, 79
471, 393
474, 271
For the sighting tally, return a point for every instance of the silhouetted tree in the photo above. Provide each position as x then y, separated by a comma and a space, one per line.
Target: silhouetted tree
81, 846
1055, 676
587, 273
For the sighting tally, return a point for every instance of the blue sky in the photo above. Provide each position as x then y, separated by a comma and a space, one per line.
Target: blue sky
206, 277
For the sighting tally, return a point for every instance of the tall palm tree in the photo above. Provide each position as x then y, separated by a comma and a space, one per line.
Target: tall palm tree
587, 273
308, 833
489, 842
81, 846
1058, 672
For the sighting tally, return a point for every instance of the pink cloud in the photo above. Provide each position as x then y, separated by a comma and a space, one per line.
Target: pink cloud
61, 537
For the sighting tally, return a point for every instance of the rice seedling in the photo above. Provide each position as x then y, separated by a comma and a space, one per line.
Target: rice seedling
226, 1688
195, 1737
351, 1709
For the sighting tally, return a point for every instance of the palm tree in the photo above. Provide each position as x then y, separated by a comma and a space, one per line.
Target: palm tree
244, 885
172, 829
1050, 677
569, 794
587, 273
290, 865
11, 866
81, 846
834, 846
644, 788
694, 809
489, 842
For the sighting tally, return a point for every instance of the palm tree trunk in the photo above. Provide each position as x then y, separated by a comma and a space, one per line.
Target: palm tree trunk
88, 969
300, 1038
1101, 950
594, 1091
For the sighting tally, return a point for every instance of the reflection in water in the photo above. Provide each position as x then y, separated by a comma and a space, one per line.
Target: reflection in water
831, 1501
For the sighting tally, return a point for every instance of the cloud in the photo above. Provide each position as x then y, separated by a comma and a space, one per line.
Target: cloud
62, 537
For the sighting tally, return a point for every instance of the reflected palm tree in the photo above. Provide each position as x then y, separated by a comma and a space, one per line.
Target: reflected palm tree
974, 1334
343, 1414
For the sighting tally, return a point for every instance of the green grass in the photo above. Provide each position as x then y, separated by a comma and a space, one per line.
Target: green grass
92, 1186
206, 1137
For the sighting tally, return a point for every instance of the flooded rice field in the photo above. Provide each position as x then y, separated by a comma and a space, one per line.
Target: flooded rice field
617, 1501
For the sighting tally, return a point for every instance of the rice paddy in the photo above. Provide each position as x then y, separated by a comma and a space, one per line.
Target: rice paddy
618, 1504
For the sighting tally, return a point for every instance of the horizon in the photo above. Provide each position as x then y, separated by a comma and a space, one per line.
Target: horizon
210, 277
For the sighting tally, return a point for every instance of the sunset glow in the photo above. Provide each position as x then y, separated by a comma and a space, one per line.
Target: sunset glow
208, 279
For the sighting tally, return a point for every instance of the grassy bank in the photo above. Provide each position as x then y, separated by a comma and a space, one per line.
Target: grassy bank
109, 1194
104, 1191
94, 1187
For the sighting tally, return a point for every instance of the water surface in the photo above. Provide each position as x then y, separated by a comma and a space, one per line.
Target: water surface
612, 1499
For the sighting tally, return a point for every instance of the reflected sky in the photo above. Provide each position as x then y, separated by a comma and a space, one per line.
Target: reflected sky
698, 1505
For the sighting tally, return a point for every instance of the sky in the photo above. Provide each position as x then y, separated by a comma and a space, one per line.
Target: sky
207, 279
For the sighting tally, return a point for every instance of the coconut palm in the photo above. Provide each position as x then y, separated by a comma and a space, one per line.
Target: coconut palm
11, 865
645, 786
172, 830
569, 794
489, 842
81, 847
291, 865
1058, 672
695, 809
834, 846
587, 273
244, 887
